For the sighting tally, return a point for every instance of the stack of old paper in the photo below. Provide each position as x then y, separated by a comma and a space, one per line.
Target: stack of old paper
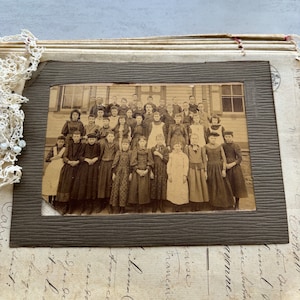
218, 272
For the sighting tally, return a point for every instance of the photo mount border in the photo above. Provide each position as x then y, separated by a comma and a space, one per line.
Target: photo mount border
267, 224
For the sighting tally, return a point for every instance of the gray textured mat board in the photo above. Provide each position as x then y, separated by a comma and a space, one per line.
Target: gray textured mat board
267, 224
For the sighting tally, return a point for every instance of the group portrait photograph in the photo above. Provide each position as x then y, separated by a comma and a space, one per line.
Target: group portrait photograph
147, 148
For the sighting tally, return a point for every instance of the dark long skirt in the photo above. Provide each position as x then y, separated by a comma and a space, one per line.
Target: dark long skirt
105, 179
66, 182
85, 183
159, 183
219, 190
120, 188
237, 182
139, 190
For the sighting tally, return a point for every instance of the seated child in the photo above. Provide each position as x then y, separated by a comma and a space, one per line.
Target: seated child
51, 175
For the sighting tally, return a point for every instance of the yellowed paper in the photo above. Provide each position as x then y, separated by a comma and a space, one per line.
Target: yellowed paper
219, 272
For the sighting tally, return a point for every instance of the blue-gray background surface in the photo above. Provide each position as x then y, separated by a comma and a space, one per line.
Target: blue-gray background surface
92, 19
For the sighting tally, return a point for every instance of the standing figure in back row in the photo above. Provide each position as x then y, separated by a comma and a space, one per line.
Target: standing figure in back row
122, 130
177, 133
216, 127
91, 127
198, 129
74, 124
235, 175
155, 128
138, 131
176, 107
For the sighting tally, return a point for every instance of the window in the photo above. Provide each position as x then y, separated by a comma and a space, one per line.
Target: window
233, 98
72, 96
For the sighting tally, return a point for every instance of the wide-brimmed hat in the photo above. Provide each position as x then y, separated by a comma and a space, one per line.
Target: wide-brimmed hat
228, 132
213, 134
91, 135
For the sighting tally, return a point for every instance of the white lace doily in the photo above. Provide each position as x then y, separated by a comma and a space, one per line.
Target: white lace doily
13, 70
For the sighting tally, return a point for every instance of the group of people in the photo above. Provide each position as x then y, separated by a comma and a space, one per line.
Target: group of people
144, 155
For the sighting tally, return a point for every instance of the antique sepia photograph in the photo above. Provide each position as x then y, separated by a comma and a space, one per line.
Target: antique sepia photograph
147, 148
150, 154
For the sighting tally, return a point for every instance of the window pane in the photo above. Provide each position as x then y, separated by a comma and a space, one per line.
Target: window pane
226, 102
78, 94
226, 90
67, 101
68, 90
78, 89
72, 97
237, 89
238, 104
77, 101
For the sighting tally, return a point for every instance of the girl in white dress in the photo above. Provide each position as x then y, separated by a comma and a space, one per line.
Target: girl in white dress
177, 169
52, 172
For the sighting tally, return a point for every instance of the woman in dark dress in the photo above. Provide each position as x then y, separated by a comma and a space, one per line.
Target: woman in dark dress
138, 131
121, 177
219, 190
160, 156
74, 124
85, 184
141, 166
130, 120
72, 154
108, 150
234, 171
177, 133
168, 117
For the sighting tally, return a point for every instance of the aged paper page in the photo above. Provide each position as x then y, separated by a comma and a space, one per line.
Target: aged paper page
219, 272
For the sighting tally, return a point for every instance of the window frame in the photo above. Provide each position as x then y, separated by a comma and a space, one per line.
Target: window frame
231, 96
62, 95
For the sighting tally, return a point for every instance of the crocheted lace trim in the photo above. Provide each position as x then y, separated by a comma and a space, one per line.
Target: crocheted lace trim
14, 69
